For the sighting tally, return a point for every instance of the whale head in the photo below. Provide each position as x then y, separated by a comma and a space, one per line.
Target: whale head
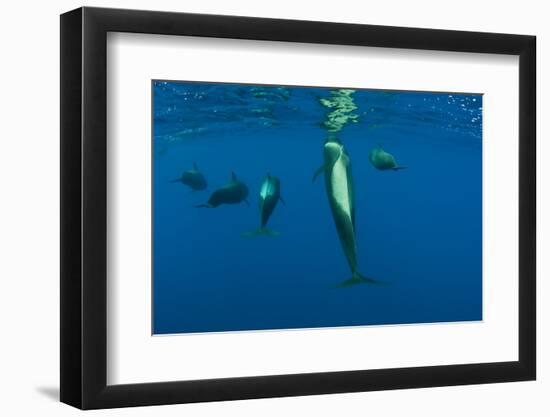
332, 150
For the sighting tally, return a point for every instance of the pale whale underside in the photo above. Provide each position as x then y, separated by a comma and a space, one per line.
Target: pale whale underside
269, 197
340, 194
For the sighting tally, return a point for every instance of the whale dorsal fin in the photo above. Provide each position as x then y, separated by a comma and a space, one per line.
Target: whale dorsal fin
195, 167
233, 176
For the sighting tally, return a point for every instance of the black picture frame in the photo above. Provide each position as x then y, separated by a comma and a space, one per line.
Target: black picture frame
84, 207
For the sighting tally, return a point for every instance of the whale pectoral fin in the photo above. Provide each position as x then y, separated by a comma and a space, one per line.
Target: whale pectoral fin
319, 170
247, 203
282, 201
397, 168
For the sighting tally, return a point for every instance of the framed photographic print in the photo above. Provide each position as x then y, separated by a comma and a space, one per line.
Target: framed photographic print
257, 208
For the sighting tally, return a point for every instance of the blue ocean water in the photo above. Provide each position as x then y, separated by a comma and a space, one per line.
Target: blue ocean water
419, 230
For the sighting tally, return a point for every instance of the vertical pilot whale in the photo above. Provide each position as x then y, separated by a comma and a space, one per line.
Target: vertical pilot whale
234, 192
270, 195
340, 193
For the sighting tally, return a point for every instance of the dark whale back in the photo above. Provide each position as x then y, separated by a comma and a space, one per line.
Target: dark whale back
382, 160
234, 192
194, 179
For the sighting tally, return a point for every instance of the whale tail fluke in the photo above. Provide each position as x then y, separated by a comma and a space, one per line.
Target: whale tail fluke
398, 168
357, 278
206, 205
262, 231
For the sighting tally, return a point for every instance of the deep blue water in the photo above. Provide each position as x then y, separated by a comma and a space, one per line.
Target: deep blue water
419, 229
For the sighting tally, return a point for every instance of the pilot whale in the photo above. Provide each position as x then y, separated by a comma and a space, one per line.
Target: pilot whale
382, 160
193, 178
234, 192
339, 190
270, 195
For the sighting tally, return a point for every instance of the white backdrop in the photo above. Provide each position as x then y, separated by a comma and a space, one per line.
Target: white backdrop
29, 210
